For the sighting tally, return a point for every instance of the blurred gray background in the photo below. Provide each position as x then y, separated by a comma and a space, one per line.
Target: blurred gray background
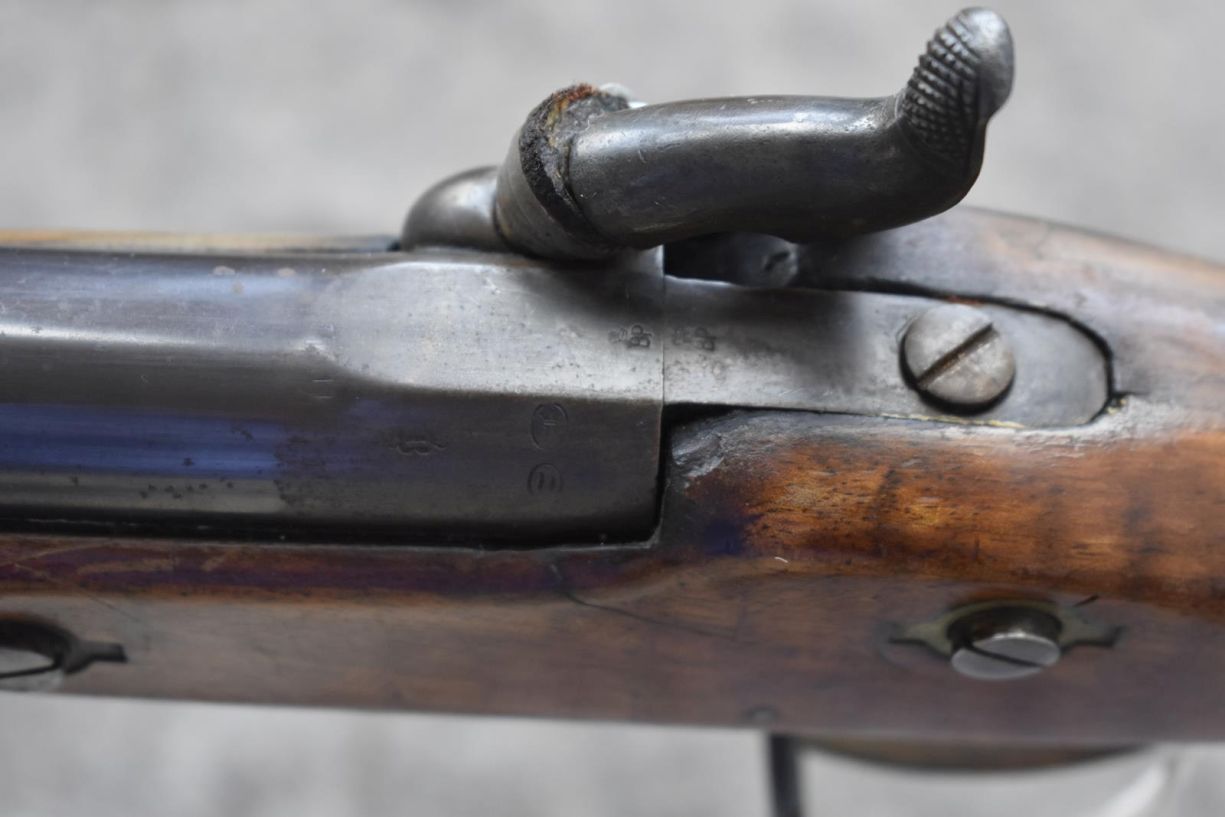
332, 116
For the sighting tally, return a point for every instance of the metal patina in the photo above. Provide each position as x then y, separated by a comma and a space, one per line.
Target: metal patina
588, 173
457, 389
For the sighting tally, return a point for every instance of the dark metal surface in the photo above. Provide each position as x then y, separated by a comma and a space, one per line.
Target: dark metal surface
535, 206
588, 174
747, 259
368, 391
784, 776
838, 352
448, 393
456, 212
35, 655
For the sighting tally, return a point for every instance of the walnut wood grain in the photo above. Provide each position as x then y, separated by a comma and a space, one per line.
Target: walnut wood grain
790, 547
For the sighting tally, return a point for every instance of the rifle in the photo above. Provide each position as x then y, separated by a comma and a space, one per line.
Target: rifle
825, 455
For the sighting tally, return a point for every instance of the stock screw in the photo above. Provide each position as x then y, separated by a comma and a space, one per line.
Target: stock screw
1005, 644
954, 355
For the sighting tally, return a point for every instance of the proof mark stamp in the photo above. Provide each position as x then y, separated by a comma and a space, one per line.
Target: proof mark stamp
634, 337
544, 479
549, 422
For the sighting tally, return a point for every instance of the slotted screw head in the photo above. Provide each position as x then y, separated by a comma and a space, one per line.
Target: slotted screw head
1005, 644
955, 355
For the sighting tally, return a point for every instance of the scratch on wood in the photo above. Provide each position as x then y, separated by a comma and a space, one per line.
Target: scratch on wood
151, 565
213, 562
47, 577
566, 592
41, 554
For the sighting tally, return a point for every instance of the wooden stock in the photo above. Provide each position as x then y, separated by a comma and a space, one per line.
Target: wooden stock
791, 547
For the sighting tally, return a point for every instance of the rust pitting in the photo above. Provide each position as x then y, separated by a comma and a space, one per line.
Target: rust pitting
559, 101
544, 152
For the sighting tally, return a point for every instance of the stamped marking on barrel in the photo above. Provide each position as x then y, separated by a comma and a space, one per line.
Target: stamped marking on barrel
549, 425
697, 337
544, 479
634, 337
416, 444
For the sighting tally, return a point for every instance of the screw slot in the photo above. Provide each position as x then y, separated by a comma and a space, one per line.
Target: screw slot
1005, 643
1006, 639
954, 354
